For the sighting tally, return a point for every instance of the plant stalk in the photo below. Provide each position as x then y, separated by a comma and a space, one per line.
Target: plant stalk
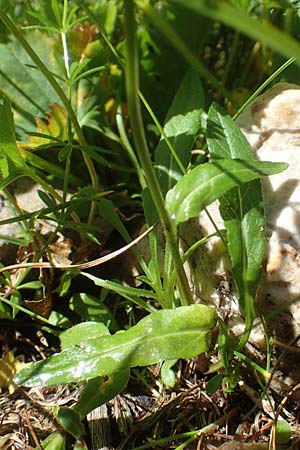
132, 90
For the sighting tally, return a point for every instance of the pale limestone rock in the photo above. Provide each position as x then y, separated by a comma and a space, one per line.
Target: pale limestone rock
272, 126
25, 192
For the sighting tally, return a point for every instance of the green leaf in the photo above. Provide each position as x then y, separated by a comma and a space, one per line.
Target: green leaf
70, 421
224, 139
181, 126
10, 158
82, 332
55, 441
96, 392
214, 383
168, 376
283, 432
242, 209
166, 334
207, 182
92, 309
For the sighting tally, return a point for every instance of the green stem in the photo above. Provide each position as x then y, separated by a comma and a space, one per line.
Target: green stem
26, 311
127, 146
52, 81
249, 319
163, 134
264, 85
132, 90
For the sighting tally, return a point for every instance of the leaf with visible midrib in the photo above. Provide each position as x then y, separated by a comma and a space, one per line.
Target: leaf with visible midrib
207, 182
241, 208
166, 334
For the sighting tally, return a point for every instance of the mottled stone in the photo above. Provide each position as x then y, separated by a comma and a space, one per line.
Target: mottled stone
272, 126
25, 194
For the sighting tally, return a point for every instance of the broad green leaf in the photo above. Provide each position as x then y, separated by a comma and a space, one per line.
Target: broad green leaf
283, 432
222, 11
70, 421
241, 208
183, 332
181, 125
82, 332
55, 441
168, 376
92, 308
207, 182
96, 392
224, 139
214, 383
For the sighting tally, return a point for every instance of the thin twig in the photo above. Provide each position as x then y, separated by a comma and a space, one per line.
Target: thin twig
86, 265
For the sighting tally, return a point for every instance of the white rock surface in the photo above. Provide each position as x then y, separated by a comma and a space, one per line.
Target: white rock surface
26, 196
272, 126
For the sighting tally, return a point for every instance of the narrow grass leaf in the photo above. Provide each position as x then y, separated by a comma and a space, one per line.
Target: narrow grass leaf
182, 123
166, 334
207, 182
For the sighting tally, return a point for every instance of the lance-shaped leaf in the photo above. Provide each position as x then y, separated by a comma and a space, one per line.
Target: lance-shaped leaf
241, 208
181, 125
207, 182
166, 334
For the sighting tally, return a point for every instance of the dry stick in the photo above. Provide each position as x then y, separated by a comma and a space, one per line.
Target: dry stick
87, 265
32, 432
